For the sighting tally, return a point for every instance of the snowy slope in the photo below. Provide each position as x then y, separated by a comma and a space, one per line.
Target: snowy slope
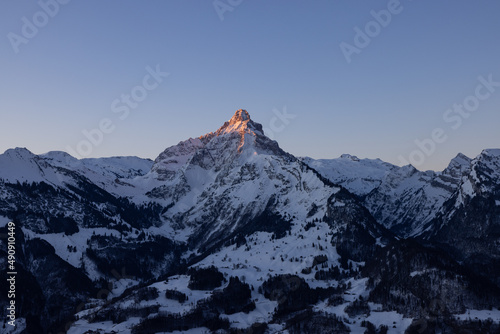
358, 176
112, 167
254, 262
112, 174
20, 165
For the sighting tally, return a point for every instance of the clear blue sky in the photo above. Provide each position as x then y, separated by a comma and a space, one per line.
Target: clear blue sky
263, 56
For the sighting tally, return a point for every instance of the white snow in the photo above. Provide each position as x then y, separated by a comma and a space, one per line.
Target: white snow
82, 326
467, 188
4, 221
358, 176
114, 174
492, 152
421, 272
20, 326
174, 157
378, 242
60, 242
179, 283
201, 330
110, 168
262, 313
396, 322
21, 165
257, 261
493, 314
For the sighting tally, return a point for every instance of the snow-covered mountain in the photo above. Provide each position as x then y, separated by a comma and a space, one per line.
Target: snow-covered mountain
100, 170
468, 225
227, 232
216, 185
403, 199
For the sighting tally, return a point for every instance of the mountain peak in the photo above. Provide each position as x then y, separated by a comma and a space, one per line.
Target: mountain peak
458, 166
350, 157
21, 153
492, 152
461, 159
241, 115
240, 137
240, 123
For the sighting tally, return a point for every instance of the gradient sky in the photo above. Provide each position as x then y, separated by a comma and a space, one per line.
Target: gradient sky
264, 56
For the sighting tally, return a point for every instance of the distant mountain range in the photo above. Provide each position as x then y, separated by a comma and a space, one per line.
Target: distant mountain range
228, 233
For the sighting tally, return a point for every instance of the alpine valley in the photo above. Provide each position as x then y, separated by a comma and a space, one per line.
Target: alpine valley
227, 233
